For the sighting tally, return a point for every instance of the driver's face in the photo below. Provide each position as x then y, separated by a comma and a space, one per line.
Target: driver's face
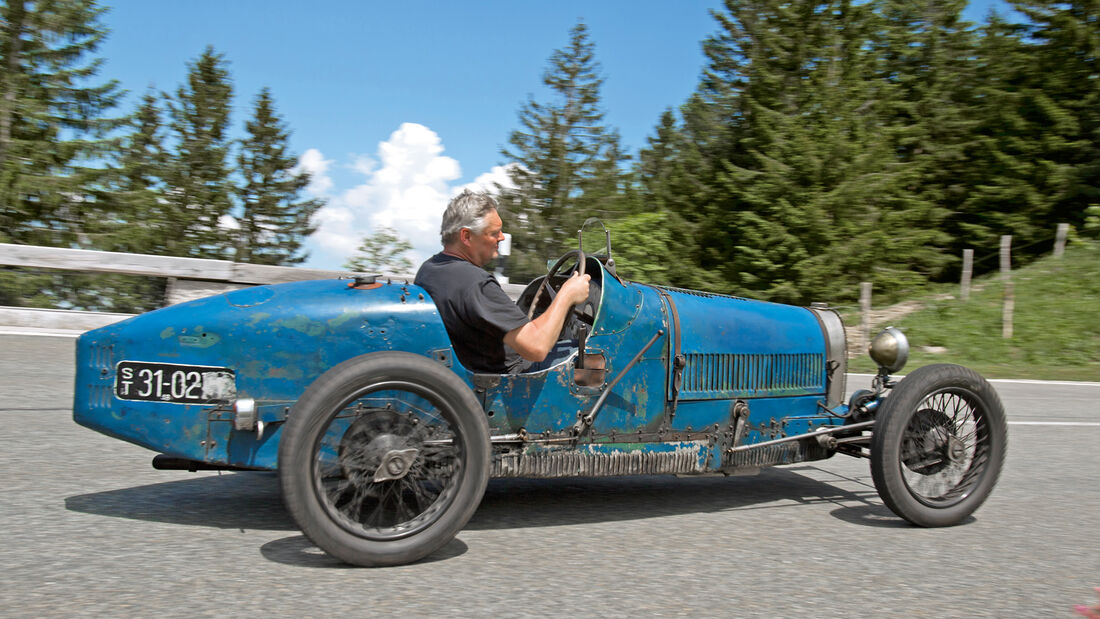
483, 245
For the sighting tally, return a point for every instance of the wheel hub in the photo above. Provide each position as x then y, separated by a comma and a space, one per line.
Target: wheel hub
377, 447
956, 450
932, 445
395, 464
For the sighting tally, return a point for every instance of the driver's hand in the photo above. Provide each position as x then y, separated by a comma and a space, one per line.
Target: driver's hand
575, 288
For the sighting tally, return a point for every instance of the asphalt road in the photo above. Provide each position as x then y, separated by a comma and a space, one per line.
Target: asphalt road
90, 529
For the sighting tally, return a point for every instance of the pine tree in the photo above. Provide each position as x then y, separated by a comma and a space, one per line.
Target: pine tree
128, 217
53, 127
1038, 141
804, 192
925, 61
568, 164
274, 219
381, 252
1002, 193
674, 181
197, 175
771, 71
133, 219
1058, 94
140, 224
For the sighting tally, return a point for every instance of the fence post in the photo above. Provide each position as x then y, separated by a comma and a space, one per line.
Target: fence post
1010, 293
865, 311
968, 270
1060, 240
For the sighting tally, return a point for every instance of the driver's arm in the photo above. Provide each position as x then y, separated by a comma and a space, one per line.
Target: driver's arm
534, 340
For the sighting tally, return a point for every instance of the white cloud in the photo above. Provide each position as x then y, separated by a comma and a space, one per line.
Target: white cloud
313, 162
333, 239
406, 187
490, 180
364, 165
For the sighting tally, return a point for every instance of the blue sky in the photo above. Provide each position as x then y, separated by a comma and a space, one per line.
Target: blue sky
395, 106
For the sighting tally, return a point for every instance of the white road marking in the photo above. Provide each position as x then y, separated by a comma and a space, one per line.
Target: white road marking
1085, 424
1021, 381
1028, 381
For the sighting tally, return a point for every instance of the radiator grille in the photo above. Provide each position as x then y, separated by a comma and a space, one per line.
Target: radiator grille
709, 376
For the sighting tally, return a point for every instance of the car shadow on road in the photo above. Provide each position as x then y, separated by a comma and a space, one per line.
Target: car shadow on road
253, 500
249, 500
520, 503
299, 551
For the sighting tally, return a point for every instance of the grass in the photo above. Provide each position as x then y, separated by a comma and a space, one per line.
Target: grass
1056, 325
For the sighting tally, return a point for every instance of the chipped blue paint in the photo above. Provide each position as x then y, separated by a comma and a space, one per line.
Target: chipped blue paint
203, 340
303, 324
250, 297
257, 317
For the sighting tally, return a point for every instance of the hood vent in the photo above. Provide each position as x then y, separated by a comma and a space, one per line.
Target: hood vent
711, 376
101, 356
96, 373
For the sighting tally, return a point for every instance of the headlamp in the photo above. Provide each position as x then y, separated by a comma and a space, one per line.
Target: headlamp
890, 350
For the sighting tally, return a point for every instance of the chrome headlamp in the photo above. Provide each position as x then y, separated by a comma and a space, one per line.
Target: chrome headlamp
890, 350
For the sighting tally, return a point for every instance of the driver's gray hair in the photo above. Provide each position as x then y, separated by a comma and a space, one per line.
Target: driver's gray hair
466, 210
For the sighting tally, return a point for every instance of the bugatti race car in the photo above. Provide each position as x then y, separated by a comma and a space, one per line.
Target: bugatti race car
384, 442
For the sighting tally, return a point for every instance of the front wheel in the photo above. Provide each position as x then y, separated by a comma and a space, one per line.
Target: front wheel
384, 459
938, 445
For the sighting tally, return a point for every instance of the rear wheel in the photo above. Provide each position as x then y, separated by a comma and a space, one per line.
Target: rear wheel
384, 459
938, 445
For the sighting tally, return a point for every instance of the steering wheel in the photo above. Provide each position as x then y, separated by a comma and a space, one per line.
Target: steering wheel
579, 255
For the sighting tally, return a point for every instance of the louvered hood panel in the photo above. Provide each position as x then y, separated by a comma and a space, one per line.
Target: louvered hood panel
740, 348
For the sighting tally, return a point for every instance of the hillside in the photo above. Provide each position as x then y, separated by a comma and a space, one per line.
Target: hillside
1056, 327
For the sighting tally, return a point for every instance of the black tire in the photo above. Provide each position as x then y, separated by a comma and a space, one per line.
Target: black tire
384, 459
938, 445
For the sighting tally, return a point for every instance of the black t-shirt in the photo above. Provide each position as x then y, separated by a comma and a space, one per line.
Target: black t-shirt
475, 311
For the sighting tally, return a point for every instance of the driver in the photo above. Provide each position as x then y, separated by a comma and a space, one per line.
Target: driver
489, 332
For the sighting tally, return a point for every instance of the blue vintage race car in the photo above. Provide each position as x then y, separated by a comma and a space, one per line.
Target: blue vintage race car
384, 443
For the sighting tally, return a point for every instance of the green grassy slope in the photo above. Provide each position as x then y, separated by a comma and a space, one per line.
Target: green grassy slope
1056, 323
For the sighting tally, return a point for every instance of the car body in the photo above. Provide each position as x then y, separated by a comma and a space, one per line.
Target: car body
384, 441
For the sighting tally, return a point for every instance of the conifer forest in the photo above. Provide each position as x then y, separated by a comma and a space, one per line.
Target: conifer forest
828, 142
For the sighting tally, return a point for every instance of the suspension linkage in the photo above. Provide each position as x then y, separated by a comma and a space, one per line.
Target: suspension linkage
821, 432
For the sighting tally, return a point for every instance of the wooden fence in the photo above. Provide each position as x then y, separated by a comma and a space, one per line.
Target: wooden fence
867, 320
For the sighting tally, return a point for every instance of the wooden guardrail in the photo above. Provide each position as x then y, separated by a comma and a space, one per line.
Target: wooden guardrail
160, 266
188, 278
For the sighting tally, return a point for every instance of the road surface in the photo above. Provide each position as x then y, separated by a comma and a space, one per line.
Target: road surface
90, 529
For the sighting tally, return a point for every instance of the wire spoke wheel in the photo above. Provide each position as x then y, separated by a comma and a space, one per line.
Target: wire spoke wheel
945, 448
367, 486
938, 445
384, 458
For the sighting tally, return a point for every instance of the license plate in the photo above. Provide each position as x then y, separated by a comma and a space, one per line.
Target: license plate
170, 382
